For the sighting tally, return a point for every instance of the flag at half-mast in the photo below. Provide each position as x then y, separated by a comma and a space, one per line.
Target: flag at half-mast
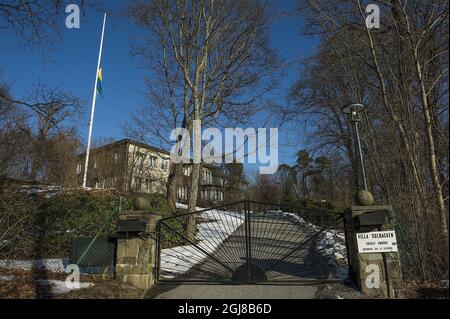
99, 81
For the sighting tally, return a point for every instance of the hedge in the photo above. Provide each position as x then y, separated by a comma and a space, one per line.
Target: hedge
45, 226
169, 238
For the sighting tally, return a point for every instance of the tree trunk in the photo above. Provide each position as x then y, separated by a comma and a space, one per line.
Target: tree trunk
172, 186
195, 174
193, 195
431, 148
39, 145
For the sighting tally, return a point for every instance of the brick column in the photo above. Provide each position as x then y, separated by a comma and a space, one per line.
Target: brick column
136, 251
362, 265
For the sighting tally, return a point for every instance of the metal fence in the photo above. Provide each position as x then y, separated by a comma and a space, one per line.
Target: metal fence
249, 241
94, 255
97, 254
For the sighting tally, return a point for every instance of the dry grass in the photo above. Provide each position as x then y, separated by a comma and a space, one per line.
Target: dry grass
426, 290
25, 285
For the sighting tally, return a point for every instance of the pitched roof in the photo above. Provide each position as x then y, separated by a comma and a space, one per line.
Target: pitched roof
126, 141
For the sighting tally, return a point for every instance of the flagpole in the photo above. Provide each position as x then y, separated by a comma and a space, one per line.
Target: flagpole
94, 97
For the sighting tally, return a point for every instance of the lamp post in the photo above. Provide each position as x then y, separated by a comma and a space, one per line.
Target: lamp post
354, 110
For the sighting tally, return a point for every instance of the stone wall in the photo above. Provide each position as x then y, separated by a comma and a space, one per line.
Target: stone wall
362, 265
136, 252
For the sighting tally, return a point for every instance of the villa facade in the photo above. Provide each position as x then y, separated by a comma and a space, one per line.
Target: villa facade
133, 167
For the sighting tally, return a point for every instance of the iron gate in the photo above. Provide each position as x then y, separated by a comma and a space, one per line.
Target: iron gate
251, 242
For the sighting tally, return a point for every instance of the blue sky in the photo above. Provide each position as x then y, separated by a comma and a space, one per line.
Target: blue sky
74, 62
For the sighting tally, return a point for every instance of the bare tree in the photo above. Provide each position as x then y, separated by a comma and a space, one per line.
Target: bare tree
212, 65
47, 111
400, 71
14, 133
61, 159
53, 108
36, 24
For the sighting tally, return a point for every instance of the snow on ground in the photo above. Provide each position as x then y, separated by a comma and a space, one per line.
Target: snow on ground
6, 277
293, 217
46, 190
184, 206
332, 246
220, 225
177, 260
60, 286
51, 265
54, 265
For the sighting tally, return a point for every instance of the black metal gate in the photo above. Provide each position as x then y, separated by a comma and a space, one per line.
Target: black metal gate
251, 242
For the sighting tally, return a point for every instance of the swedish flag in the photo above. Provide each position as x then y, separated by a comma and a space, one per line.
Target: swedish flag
99, 81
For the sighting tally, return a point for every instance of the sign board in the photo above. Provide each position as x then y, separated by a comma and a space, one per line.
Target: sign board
377, 242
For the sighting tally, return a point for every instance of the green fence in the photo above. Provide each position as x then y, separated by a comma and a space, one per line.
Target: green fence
94, 255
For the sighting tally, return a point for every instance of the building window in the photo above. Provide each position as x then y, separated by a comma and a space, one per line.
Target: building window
147, 185
165, 164
182, 192
153, 161
116, 157
140, 158
187, 171
138, 184
207, 176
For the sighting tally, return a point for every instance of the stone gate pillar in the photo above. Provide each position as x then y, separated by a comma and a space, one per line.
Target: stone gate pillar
377, 274
136, 248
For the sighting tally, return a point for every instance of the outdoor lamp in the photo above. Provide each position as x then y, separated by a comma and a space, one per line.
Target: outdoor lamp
354, 110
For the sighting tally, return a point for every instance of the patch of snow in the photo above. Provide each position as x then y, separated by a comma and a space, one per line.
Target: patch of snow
6, 277
210, 235
184, 206
48, 190
54, 265
332, 246
60, 287
180, 259
294, 217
